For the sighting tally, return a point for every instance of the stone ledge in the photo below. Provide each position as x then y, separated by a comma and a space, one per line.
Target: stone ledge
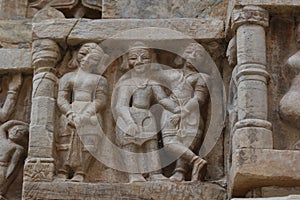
15, 60
15, 31
252, 168
147, 190
290, 197
75, 31
264, 3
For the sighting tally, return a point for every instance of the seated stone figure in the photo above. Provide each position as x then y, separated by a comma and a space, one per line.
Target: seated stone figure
136, 129
182, 131
13, 148
81, 96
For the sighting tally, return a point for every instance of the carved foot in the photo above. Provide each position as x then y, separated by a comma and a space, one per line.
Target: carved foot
198, 164
133, 178
77, 178
61, 177
297, 145
158, 177
177, 177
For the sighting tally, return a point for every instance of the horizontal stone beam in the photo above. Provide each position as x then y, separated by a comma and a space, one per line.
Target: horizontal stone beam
269, 3
15, 31
15, 60
73, 32
252, 168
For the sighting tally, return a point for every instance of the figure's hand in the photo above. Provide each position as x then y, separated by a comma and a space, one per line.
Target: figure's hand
175, 119
132, 130
177, 110
71, 118
15, 82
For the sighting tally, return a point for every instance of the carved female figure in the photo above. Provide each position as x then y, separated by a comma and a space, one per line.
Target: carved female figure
81, 95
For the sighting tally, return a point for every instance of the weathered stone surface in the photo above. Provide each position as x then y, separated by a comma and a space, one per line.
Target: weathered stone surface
13, 9
157, 8
149, 190
291, 197
273, 191
15, 32
262, 167
77, 31
15, 60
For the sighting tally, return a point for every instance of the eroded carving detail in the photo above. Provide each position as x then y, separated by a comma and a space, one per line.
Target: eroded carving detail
250, 14
13, 148
289, 104
75, 8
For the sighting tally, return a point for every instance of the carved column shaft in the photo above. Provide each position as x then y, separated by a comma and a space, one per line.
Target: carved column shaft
40, 163
252, 129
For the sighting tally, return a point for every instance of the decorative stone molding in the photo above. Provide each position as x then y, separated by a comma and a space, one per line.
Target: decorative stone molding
249, 15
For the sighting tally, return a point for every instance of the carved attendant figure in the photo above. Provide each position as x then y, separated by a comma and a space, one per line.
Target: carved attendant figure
136, 126
81, 95
183, 130
13, 147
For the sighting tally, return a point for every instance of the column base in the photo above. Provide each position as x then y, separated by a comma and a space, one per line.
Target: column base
39, 170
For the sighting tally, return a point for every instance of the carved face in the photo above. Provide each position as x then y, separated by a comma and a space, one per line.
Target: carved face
139, 59
90, 62
18, 134
193, 54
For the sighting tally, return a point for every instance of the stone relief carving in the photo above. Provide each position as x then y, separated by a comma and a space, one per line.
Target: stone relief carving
81, 96
289, 107
11, 98
74, 8
184, 127
136, 126
182, 124
13, 148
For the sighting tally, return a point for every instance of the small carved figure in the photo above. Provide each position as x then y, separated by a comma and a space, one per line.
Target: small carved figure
231, 54
11, 98
183, 130
81, 96
136, 126
13, 147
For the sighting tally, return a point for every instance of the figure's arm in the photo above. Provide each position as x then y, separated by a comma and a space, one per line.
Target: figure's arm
17, 154
162, 98
101, 94
123, 96
11, 98
200, 97
64, 95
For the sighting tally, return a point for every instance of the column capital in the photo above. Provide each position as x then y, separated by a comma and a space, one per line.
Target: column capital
45, 55
249, 15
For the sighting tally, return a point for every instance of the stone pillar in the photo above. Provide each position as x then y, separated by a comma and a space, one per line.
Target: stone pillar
39, 165
252, 129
